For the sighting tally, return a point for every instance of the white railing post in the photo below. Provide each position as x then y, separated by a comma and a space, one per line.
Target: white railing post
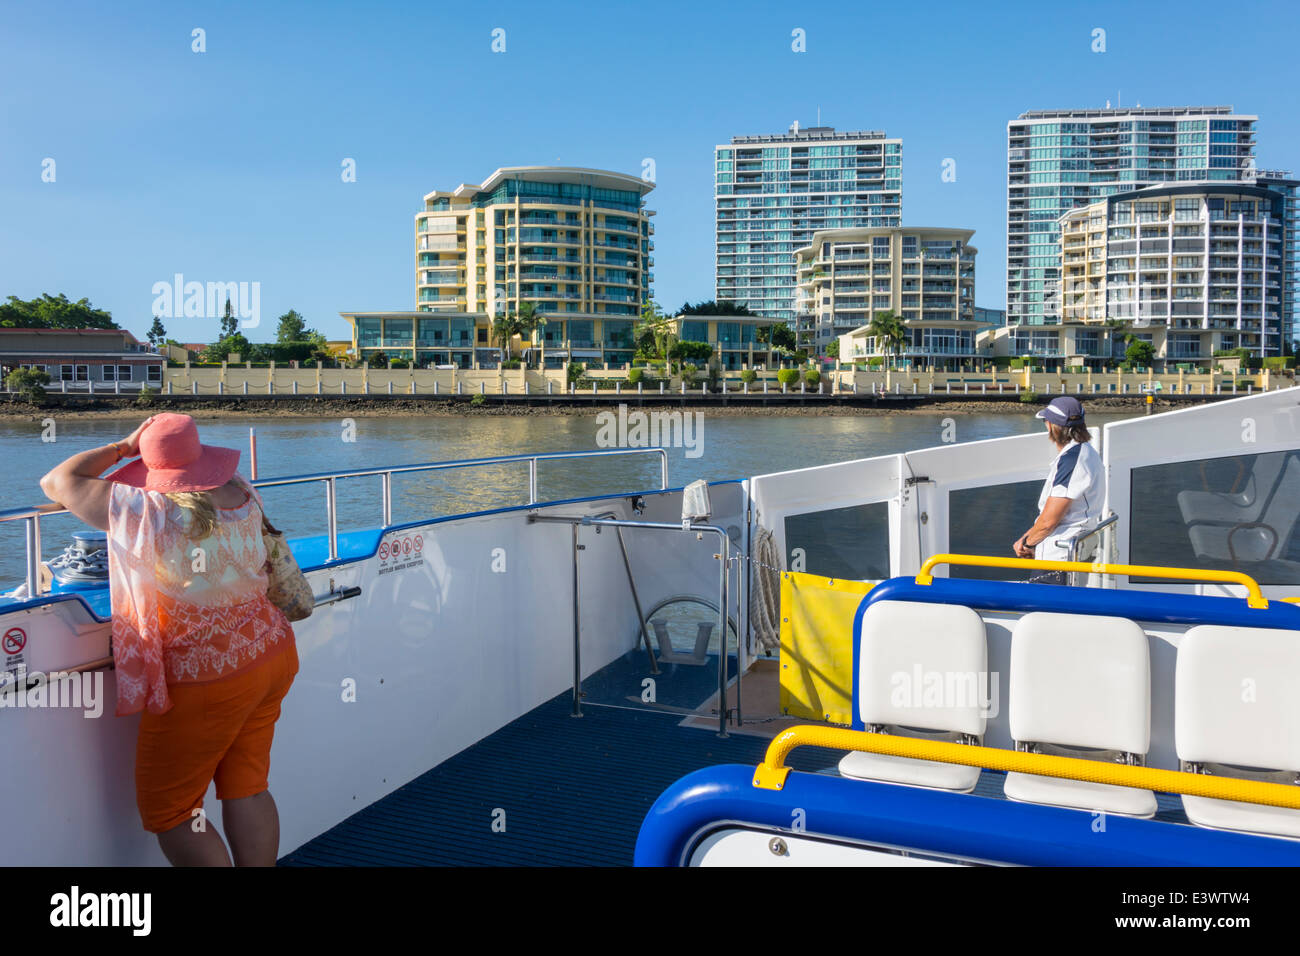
295, 386
390, 386
661, 386
640, 387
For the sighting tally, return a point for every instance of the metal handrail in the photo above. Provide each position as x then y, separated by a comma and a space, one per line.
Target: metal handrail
1074, 543
32, 516
1254, 596
722, 556
772, 773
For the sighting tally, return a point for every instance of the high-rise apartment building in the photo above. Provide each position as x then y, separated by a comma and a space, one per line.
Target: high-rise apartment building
573, 243
1191, 268
925, 276
570, 241
1288, 187
773, 192
1060, 159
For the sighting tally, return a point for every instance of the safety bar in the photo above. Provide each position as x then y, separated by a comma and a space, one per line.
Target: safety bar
32, 516
771, 774
1255, 597
1074, 543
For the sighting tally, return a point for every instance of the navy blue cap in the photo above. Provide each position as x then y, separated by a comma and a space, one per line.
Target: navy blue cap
1064, 411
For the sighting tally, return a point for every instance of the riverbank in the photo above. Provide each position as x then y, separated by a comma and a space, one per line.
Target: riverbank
400, 407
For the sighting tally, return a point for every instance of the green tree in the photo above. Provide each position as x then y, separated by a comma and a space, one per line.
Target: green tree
504, 328
530, 321
29, 383
53, 312
291, 328
712, 307
217, 351
654, 327
779, 335
1140, 352
833, 350
229, 323
157, 334
889, 331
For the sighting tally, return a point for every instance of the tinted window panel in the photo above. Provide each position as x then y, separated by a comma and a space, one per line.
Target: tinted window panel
987, 520
850, 543
1235, 513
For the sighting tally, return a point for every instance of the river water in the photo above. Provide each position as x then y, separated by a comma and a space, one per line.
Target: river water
719, 447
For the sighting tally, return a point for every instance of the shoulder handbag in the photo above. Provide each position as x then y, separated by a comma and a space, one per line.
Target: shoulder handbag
286, 585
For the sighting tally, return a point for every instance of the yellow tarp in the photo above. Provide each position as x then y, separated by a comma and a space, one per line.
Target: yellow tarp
817, 646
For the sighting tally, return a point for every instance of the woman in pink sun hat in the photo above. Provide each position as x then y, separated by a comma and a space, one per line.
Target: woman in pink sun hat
197, 644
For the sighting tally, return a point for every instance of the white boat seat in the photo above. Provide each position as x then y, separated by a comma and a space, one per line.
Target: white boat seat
921, 671
1237, 714
1080, 687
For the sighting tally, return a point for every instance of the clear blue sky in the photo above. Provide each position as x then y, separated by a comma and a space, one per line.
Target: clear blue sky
225, 165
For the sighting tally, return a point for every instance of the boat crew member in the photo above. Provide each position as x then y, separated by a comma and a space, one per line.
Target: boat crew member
1073, 491
197, 643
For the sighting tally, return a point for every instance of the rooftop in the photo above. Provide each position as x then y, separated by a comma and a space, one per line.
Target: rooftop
810, 134
1132, 111
597, 178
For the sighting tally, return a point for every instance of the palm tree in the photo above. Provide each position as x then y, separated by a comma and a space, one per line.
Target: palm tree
657, 324
529, 321
889, 331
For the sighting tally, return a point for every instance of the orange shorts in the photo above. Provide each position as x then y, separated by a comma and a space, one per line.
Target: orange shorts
215, 730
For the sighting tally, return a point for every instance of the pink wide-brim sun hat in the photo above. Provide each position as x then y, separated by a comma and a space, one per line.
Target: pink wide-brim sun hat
172, 459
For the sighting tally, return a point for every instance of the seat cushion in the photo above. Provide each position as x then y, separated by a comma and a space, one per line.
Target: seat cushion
1080, 794
1250, 817
931, 774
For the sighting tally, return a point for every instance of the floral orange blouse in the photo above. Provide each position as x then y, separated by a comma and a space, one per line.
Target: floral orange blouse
185, 610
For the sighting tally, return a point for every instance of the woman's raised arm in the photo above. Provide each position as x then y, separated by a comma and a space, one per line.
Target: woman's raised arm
75, 482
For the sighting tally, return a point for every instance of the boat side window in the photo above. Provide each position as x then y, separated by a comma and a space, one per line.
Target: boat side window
985, 520
1234, 512
844, 543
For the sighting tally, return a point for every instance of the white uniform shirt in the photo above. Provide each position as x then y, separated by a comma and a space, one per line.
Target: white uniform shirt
1076, 473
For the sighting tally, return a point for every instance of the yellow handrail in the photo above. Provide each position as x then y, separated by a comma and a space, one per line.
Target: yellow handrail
772, 772
1255, 597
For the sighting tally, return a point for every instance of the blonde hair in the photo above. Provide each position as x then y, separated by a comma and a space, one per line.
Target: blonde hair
201, 509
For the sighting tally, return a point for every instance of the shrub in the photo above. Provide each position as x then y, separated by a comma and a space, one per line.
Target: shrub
146, 396
1279, 362
1028, 397
691, 350
577, 371
812, 377
478, 399
636, 376
510, 363
1015, 362
749, 376
787, 376
876, 361
29, 383
1002, 361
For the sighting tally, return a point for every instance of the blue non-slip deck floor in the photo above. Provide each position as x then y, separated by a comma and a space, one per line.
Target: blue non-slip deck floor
573, 790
